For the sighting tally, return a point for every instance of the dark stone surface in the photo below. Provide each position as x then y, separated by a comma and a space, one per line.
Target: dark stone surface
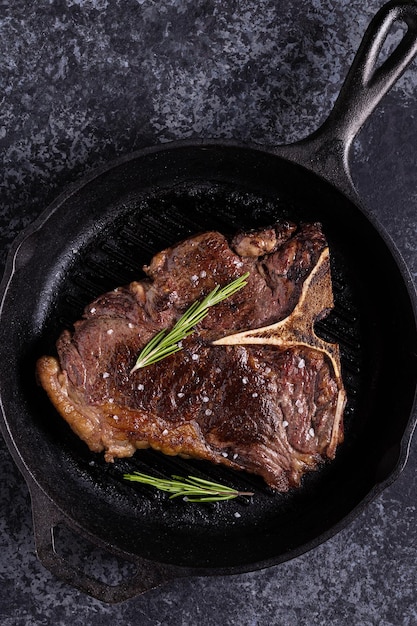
83, 81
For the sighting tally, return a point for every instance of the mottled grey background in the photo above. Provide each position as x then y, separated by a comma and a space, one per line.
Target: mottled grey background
83, 81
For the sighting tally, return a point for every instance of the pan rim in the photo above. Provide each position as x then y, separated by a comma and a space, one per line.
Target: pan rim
49, 211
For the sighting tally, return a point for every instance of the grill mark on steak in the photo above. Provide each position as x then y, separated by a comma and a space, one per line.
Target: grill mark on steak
261, 408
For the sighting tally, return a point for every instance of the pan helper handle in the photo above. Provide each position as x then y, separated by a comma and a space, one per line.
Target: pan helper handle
47, 518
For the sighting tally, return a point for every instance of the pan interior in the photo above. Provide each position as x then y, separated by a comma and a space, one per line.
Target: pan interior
98, 238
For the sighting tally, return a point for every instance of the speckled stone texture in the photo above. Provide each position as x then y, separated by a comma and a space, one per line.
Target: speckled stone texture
83, 81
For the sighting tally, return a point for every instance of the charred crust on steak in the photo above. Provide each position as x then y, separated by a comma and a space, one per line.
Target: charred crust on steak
253, 388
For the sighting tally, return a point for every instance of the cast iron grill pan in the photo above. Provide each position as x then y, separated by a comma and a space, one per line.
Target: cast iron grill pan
98, 235
113, 254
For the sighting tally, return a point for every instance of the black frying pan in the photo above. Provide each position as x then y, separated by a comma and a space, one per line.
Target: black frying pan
98, 235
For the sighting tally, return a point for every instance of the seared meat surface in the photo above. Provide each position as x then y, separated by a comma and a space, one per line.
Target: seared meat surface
264, 409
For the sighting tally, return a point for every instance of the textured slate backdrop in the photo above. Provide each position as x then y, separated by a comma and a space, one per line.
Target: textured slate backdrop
83, 81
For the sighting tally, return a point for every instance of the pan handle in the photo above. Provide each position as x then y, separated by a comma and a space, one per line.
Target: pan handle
47, 518
326, 151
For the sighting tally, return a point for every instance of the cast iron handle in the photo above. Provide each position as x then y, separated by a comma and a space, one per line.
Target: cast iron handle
366, 83
326, 151
47, 517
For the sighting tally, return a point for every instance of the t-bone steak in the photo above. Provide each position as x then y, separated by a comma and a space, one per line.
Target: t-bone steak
253, 387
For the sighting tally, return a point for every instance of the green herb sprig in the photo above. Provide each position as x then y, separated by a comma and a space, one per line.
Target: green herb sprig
164, 344
192, 488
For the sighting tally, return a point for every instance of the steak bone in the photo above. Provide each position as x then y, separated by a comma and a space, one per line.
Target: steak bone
297, 329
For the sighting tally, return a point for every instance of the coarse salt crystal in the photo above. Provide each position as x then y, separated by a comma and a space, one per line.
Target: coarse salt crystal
141, 387
244, 380
205, 399
194, 278
225, 454
115, 417
267, 370
301, 364
93, 310
111, 400
165, 432
106, 375
311, 432
254, 395
130, 325
203, 274
285, 423
110, 331
195, 357
237, 514
208, 412
235, 456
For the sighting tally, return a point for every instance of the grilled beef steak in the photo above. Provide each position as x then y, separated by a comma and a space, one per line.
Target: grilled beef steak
274, 410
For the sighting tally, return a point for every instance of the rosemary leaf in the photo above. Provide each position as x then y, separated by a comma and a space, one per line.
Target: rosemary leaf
164, 344
192, 488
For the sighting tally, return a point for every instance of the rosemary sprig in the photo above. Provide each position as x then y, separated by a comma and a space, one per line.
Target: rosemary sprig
163, 344
192, 488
